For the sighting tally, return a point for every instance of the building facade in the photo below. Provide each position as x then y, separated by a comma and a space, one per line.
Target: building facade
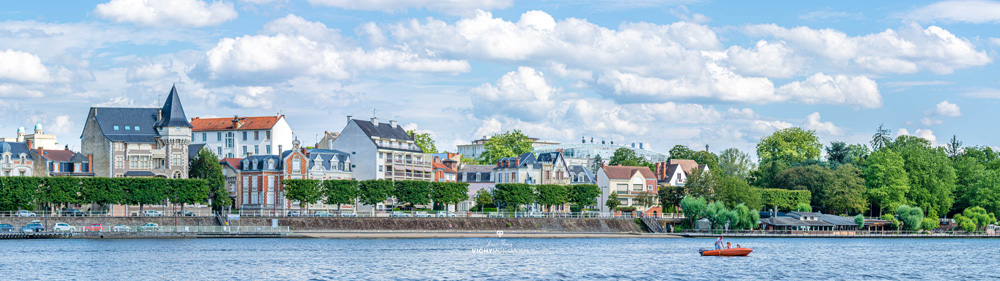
676, 171
327, 141
138, 142
628, 182
479, 177
579, 174
16, 160
231, 168
583, 153
382, 151
39, 139
61, 162
476, 148
239, 137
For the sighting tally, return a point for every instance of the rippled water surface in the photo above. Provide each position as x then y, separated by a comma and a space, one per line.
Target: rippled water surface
479, 258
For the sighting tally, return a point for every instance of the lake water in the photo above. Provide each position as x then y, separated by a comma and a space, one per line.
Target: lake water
495, 258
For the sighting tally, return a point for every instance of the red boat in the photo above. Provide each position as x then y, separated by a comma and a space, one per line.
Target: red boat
734, 252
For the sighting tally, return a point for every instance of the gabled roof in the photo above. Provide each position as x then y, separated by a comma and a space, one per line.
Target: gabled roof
14, 148
837, 220
686, 164
326, 155
261, 162
193, 150
437, 165
144, 118
577, 169
522, 160
226, 124
64, 155
173, 111
548, 157
626, 172
235, 163
79, 158
385, 131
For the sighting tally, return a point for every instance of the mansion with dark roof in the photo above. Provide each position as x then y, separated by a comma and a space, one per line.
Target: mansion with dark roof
138, 142
382, 151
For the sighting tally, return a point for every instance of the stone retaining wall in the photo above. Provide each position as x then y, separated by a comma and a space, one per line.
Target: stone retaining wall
108, 222
441, 224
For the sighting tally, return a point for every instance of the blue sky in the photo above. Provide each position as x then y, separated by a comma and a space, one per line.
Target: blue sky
662, 72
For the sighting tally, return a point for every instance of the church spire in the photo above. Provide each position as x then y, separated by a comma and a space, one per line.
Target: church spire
172, 114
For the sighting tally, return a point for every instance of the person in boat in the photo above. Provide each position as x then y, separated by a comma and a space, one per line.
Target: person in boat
718, 243
728, 245
738, 246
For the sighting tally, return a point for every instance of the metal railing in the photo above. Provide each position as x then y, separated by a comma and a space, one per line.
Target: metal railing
132, 212
840, 233
459, 214
179, 229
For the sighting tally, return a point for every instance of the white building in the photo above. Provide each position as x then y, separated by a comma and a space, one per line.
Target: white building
35, 141
382, 151
473, 150
628, 182
239, 137
583, 153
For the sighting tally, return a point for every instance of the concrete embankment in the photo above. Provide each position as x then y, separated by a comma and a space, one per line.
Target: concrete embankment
108, 222
592, 225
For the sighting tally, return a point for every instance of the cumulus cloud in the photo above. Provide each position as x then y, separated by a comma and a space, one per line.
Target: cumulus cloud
945, 109
144, 72
448, 6
858, 91
967, 11
17, 91
22, 67
767, 127
682, 13
907, 50
926, 134
769, 59
167, 13
716, 83
284, 56
523, 93
250, 97
927, 121
827, 128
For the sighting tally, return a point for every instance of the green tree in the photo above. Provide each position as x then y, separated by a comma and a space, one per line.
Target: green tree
613, 202
847, 193
694, 209
979, 216
412, 192
837, 153
423, 140
965, 223
912, 217
102, 191
483, 198
449, 193
734, 191
681, 152
860, 221
882, 138
707, 158
647, 199
341, 192
626, 157
733, 163
746, 218
61, 191
954, 147
886, 180
205, 165
792, 145
145, 191
700, 184
507, 144
765, 175
583, 195
549, 195
598, 162
717, 213
932, 178
375, 191
929, 223
969, 175
784, 199
188, 191
892, 219
513, 195
814, 178
670, 197
304, 191
17, 193
985, 192
803, 207
856, 153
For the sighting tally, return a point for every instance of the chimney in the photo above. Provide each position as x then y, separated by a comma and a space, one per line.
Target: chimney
236, 122
41, 151
30, 146
303, 151
90, 163
67, 147
349, 117
392, 123
375, 121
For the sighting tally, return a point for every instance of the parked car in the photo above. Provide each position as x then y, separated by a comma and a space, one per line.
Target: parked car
421, 214
494, 215
148, 227
73, 213
445, 215
185, 213
96, 227
34, 226
6, 228
534, 215
399, 214
349, 214
26, 213
324, 214
151, 213
294, 213
63, 227
121, 228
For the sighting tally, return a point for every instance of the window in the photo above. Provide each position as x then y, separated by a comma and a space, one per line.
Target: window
220, 151
229, 140
268, 148
244, 150
204, 136
267, 135
219, 136
136, 128
256, 149
296, 162
244, 135
127, 128
116, 128
256, 135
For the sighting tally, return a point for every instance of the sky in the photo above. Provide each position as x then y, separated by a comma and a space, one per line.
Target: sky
696, 73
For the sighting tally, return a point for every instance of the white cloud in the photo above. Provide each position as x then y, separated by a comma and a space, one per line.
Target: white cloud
682, 12
827, 128
718, 83
907, 50
167, 13
769, 59
926, 134
523, 93
745, 113
829, 15
62, 125
22, 67
448, 6
767, 127
13, 91
945, 109
250, 97
119, 101
927, 121
144, 72
858, 91
968, 11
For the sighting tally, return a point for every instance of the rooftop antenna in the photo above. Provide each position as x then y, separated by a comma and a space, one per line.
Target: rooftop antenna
373, 112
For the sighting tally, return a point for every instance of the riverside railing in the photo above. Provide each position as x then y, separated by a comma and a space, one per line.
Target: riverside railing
835, 233
175, 229
159, 212
467, 214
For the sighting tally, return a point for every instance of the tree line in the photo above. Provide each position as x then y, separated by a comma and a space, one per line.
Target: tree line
372, 192
515, 195
17, 193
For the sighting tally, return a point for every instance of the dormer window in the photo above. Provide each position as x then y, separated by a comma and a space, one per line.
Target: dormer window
116, 128
127, 128
136, 128
246, 164
255, 164
270, 164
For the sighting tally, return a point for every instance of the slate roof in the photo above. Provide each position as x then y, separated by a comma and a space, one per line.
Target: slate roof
261, 162
173, 111
548, 157
837, 220
193, 150
15, 148
79, 158
467, 173
326, 155
386, 131
226, 124
575, 170
626, 172
783, 221
475, 168
144, 118
65, 155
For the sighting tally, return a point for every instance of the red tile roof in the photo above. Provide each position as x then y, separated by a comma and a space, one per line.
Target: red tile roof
626, 172
225, 123
234, 162
443, 167
59, 155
